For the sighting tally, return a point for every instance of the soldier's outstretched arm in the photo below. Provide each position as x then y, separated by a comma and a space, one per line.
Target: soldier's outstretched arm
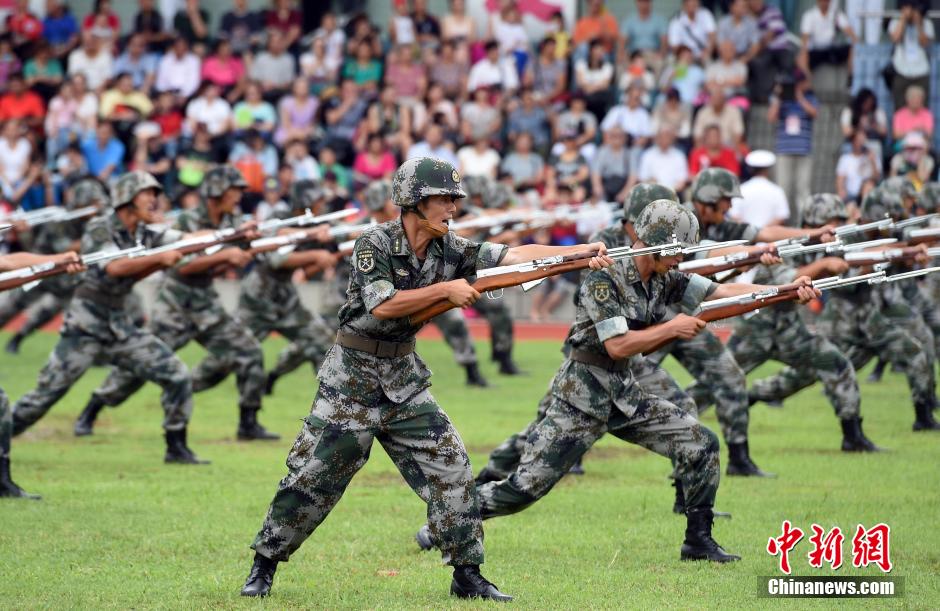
528, 252
307, 258
142, 266
406, 302
772, 233
25, 259
640, 341
806, 293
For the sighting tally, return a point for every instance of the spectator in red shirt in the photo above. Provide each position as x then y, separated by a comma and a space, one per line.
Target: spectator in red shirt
24, 28
284, 19
103, 22
21, 103
376, 162
713, 154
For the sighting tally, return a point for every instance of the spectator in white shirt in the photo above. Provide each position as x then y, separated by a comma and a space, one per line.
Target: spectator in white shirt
478, 160
762, 203
594, 78
179, 71
855, 168
631, 117
15, 151
335, 38
694, 27
826, 36
93, 60
210, 109
493, 71
433, 145
663, 163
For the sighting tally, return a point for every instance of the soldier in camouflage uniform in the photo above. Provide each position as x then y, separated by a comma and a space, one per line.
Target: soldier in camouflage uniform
8, 487
373, 385
188, 308
98, 328
269, 300
51, 295
621, 314
779, 333
864, 322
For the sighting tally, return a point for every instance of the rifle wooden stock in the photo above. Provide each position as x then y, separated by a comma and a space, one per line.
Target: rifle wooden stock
924, 239
55, 270
571, 263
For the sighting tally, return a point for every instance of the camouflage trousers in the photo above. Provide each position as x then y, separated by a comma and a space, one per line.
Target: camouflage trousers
558, 440
780, 334
228, 340
139, 353
496, 313
335, 443
454, 329
310, 338
6, 424
712, 366
650, 377
861, 331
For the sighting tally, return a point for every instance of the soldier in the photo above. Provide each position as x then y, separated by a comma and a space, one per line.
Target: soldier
704, 356
779, 333
862, 324
52, 295
373, 385
98, 328
621, 313
8, 487
188, 308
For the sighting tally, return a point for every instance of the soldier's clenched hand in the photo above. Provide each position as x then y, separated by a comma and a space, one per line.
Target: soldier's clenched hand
73, 262
807, 292
170, 258
238, 257
460, 293
601, 260
686, 327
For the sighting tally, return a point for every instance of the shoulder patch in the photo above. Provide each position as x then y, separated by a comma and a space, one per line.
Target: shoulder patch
365, 259
600, 290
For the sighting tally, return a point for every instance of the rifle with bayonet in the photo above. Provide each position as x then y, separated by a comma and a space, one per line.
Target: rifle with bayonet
906, 254
530, 274
50, 214
29, 277
713, 265
298, 237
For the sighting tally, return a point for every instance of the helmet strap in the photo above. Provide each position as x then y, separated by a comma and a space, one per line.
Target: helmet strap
437, 230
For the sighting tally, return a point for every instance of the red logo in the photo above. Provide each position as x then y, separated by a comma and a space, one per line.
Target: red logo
826, 548
872, 547
783, 544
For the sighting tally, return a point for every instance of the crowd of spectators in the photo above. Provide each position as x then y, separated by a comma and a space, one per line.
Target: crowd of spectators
582, 113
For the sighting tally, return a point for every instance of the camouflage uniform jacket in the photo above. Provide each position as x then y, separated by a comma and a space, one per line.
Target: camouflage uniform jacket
93, 316
612, 302
193, 294
383, 263
613, 236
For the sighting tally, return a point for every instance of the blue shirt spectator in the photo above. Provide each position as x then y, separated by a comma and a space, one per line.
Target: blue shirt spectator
142, 66
532, 119
795, 126
59, 28
103, 153
645, 30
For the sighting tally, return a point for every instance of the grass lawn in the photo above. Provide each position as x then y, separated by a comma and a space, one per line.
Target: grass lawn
118, 529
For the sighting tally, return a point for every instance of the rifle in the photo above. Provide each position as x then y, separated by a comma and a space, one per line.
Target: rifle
5, 227
891, 255
50, 214
924, 236
297, 237
835, 248
713, 265
531, 273
29, 277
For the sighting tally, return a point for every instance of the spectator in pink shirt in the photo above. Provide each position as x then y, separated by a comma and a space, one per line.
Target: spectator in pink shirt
913, 116
405, 75
376, 162
225, 70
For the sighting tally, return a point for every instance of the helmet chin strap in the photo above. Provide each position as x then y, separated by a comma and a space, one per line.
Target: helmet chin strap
437, 230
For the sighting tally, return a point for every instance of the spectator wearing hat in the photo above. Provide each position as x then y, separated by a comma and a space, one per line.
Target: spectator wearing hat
793, 108
140, 64
912, 34
713, 153
718, 112
826, 36
93, 60
913, 116
594, 78
762, 203
611, 167
913, 161
663, 163
493, 71
179, 71
693, 27
856, 168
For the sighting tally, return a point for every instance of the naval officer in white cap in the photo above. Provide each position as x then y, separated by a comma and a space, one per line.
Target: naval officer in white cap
762, 202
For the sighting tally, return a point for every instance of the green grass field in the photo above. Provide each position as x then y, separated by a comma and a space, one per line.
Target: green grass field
118, 529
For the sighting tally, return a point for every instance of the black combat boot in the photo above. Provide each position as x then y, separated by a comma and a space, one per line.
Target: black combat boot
13, 346
424, 539
468, 583
925, 420
250, 429
8, 488
878, 372
506, 365
85, 424
177, 452
270, 382
486, 475
576, 469
260, 577
474, 377
740, 463
853, 438
698, 544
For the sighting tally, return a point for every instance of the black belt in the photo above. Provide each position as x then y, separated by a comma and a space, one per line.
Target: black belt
112, 301
199, 281
598, 360
375, 347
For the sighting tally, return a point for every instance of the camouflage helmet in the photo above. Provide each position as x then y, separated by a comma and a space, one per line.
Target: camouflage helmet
304, 194
899, 186
377, 194
476, 186
88, 191
130, 184
929, 198
662, 219
423, 177
881, 202
640, 197
714, 184
498, 195
220, 179
818, 209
